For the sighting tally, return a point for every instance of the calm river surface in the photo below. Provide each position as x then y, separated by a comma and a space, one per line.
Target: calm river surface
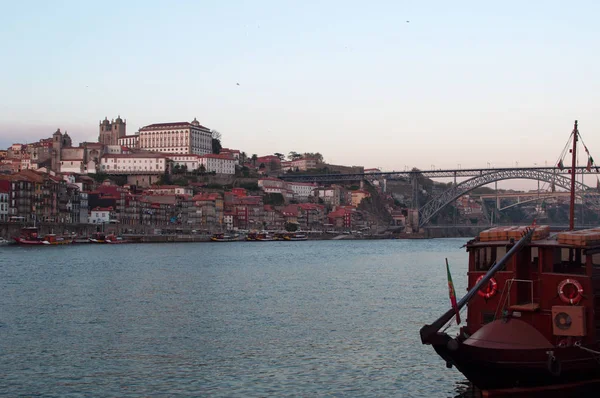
241, 319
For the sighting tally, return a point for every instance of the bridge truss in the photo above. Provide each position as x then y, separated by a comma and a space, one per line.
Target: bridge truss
431, 208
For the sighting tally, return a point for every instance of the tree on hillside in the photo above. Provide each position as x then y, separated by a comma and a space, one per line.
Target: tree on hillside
317, 156
254, 158
243, 158
294, 155
281, 156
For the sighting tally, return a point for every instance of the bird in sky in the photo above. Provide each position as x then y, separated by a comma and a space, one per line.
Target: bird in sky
238, 84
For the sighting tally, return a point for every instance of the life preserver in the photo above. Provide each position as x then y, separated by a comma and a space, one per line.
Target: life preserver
490, 290
572, 298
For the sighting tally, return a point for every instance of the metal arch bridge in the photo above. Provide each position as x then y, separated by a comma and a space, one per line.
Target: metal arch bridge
431, 208
441, 173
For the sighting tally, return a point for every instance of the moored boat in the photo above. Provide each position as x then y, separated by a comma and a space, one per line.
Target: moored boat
295, 237
30, 237
4, 242
533, 317
224, 238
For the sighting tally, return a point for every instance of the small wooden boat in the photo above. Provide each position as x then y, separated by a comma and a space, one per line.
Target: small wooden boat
296, 237
264, 237
4, 242
223, 238
30, 237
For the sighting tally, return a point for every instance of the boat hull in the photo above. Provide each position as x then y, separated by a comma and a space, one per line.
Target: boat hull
510, 368
28, 242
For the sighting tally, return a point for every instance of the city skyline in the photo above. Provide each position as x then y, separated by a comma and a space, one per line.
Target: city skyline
388, 85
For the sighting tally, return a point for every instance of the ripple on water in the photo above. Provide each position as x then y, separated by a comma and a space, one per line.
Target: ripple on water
226, 320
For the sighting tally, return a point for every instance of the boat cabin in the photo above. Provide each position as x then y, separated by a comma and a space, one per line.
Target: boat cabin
553, 283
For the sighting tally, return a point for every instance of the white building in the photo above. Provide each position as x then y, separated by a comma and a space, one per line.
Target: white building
3, 206
130, 141
228, 221
220, 164
191, 162
137, 163
100, 215
177, 137
302, 190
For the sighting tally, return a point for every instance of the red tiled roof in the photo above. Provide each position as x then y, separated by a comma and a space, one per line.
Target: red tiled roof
103, 208
157, 126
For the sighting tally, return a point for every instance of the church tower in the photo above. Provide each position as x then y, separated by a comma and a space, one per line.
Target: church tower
57, 143
110, 132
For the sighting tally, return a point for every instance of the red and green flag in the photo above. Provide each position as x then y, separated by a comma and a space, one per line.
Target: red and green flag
452, 294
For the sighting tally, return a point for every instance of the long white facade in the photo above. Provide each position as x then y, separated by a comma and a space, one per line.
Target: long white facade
176, 138
139, 163
220, 164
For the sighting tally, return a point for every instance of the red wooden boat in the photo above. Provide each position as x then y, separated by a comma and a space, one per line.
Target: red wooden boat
30, 236
533, 318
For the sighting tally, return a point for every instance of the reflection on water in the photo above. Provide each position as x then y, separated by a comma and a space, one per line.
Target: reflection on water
227, 319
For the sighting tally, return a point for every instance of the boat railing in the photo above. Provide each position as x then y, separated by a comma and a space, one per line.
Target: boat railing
523, 302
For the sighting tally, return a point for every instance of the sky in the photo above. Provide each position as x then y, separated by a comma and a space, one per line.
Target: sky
389, 84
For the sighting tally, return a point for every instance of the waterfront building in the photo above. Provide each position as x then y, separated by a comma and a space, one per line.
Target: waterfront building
83, 207
372, 170
220, 164
4, 192
176, 137
137, 163
101, 215
110, 132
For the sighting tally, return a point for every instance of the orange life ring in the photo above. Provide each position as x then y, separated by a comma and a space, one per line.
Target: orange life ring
572, 297
490, 290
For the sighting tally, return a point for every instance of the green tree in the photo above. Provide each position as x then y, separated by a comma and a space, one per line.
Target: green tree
281, 156
254, 158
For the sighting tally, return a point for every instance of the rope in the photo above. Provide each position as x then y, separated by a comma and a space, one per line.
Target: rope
578, 344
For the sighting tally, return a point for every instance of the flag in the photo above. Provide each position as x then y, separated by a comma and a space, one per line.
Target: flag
560, 164
452, 294
589, 164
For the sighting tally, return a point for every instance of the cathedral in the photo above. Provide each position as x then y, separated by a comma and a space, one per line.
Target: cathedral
110, 132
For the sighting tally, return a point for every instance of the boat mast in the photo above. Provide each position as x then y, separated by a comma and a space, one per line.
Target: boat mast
574, 160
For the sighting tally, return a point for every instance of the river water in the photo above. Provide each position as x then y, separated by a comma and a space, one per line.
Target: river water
236, 319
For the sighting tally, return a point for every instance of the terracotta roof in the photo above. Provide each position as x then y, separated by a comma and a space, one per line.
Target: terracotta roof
102, 208
159, 126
